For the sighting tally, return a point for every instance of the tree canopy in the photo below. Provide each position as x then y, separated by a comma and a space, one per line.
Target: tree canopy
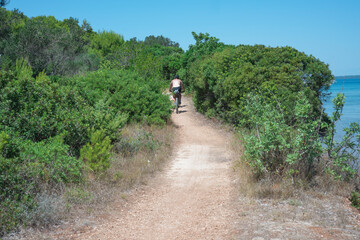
4, 2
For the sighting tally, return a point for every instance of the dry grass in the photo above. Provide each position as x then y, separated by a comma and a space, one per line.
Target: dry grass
142, 151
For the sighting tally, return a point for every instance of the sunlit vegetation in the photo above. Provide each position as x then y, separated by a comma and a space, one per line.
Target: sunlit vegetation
67, 93
274, 97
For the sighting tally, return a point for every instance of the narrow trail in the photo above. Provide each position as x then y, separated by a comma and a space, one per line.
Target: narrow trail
190, 199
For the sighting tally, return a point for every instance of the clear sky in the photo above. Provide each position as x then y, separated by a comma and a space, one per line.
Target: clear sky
327, 29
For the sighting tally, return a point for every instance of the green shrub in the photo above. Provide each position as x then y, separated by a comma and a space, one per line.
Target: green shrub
355, 199
342, 155
222, 79
96, 153
4, 139
267, 145
35, 167
37, 109
13, 213
38, 164
275, 147
109, 119
49, 161
127, 92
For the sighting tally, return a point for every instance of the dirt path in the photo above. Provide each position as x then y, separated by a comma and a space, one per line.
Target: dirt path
190, 199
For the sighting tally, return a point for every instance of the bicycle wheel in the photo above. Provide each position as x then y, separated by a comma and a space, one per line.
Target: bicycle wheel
177, 105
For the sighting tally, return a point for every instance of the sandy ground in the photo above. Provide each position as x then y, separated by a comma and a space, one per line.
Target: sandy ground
196, 197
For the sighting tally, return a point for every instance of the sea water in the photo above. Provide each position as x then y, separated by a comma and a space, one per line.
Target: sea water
351, 110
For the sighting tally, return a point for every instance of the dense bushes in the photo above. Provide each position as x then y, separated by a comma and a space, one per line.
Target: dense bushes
37, 109
56, 130
31, 168
59, 121
127, 92
272, 146
297, 151
58, 47
52, 131
223, 79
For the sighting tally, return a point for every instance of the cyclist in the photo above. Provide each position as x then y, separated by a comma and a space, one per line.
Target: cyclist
177, 84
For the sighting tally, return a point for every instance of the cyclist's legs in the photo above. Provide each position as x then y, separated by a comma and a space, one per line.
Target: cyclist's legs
179, 94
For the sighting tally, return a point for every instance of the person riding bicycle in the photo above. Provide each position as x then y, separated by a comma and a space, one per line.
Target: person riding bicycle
177, 84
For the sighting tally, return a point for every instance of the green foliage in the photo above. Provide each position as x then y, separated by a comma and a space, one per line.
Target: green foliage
52, 126
58, 47
153, 60
305, 143
285, 122
222, 80
45, 164
265, 149
37, 109
156, 57
343, 155
127, 92
106, 45
46, 122
355, 199
66, 48
205, 45
12, 213
3, 3
106, 117
96, 153
275, 147
10, 21
167, 54
160, 41
51, 162
4, 138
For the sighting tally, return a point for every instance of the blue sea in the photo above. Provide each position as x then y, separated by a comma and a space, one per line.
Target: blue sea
351, 110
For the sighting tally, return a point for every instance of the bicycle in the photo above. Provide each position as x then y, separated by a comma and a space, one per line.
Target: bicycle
176, 93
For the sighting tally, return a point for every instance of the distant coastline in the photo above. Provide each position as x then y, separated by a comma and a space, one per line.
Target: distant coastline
348, 77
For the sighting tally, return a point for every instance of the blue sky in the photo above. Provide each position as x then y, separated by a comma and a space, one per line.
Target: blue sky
327, 29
